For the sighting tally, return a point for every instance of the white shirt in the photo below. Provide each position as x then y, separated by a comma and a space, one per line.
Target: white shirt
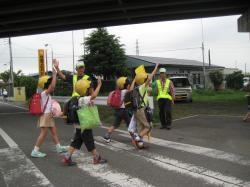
43, 102
5, 92
82, 101
123, 92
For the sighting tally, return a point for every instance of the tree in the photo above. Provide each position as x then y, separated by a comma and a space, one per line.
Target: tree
21, 80
105, 55
216, 78
235, 80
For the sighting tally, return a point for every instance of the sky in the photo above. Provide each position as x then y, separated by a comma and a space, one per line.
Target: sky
171, 39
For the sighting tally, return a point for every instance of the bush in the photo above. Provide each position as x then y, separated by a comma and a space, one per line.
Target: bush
216, 78
29, 83
235, 80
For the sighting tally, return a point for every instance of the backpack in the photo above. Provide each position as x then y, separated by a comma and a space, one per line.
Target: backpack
70, 110
133, 99
114, 99
35, 106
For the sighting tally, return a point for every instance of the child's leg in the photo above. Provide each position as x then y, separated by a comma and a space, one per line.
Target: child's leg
117, 122
88, 138
35, 152
59, 148
246, 116
54, 134
42, 136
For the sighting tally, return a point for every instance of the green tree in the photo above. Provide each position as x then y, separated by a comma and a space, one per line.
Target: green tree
216, 78
105, 55
20, 80
235, 80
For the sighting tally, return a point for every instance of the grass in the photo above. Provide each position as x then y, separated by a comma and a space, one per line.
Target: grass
228, 102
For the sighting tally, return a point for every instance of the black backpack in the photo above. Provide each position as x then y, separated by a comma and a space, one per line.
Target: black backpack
133, 99
70, 110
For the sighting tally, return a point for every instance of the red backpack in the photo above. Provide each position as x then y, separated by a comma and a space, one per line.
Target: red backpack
114, 99
35, 107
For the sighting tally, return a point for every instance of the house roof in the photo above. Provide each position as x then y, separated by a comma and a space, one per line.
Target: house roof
134, 61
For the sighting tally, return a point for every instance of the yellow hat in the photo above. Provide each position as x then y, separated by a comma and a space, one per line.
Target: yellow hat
141, 78
140, 69
42, 81
82, 86
121, 82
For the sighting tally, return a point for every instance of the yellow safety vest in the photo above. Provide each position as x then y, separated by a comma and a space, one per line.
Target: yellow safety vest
85, 77
163, 93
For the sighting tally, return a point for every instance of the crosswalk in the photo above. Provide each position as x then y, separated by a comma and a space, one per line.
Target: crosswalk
19, 170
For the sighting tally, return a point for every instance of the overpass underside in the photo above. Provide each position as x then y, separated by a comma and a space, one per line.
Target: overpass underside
26, 17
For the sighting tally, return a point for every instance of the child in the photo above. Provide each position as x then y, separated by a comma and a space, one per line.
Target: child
142, 80
46, 121
120, 113
85, 136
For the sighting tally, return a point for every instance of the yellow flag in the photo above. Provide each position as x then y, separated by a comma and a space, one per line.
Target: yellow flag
140, 69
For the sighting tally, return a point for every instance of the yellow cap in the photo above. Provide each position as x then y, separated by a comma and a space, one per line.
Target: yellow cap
82, 86
140, 69
141, 78
121, 82
42, 81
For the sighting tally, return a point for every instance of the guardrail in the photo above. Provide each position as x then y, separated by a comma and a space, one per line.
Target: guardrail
102, 100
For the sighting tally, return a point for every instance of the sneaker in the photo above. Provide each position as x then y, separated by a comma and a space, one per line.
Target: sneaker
99, 160
62, 149
37, 154
107, 138
68, 161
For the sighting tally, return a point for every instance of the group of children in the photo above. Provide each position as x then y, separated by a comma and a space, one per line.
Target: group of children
85, 97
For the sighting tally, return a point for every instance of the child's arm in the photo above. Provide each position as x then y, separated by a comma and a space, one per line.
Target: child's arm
132, 85
96, 92
150, 77
53, 82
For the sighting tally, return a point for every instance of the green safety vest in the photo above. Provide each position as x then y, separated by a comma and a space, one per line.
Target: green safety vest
85, 77
163, 93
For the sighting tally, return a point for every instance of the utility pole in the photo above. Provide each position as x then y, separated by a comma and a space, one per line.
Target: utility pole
209, 58
73, 50
46, 61
137, 48
11, 70
245, 69
83, 43
203, 55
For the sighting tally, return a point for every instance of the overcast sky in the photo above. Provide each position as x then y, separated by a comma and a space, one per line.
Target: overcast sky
228, 47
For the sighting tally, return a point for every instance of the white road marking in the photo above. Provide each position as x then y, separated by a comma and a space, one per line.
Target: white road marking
7, 139
106, 174
213, 115
16, 167
187, 117
20, 107
163, 162
208, 152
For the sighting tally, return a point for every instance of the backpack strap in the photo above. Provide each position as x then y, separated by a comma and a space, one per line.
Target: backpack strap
45, 106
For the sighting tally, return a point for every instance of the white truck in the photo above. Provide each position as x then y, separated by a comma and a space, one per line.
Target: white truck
183, 89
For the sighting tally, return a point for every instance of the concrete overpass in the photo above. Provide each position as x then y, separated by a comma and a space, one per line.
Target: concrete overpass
25, 17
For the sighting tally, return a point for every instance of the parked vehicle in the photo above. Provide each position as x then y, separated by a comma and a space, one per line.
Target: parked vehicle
183, 89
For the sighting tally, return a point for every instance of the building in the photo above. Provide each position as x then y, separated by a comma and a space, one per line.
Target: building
192, 69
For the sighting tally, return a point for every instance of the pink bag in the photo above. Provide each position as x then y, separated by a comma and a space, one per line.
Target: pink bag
56, 109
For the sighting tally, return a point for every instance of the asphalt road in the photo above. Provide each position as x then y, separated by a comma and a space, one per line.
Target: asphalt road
198, 151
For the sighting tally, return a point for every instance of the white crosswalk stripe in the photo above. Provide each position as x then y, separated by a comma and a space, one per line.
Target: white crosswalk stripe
16, 167
204, 151
106, 174
211, 177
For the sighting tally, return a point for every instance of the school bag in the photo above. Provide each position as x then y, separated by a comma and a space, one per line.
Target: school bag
35, 106
88, 117
133, 99
114, 99
70, 110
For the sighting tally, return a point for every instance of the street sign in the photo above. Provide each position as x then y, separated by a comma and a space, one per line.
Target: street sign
41, 66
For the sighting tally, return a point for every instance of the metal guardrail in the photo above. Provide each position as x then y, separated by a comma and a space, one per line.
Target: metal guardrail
102, 100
